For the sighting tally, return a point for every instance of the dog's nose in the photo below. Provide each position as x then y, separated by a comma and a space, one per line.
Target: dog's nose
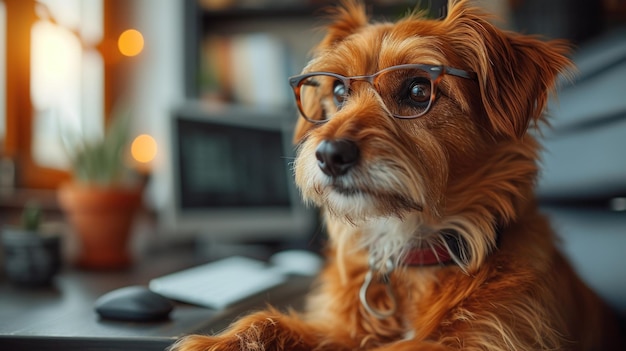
336, 157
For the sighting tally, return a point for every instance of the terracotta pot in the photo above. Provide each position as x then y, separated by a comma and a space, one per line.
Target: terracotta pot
102, 219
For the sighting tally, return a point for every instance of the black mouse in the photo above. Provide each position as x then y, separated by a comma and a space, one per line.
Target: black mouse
133, 303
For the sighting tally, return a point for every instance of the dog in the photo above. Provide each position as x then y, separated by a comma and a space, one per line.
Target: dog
413, 139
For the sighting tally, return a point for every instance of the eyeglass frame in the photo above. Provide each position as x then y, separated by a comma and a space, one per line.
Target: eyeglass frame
436, 72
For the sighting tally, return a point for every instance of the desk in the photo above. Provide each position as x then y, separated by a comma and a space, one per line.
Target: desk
62, 317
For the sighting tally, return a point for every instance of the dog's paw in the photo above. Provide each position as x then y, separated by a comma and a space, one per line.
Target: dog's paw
205, 343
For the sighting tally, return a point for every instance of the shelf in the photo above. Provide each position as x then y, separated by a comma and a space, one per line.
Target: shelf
292, 24
243, 14
210, 17
18, 198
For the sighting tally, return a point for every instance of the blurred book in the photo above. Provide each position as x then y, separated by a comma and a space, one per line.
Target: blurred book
250, 69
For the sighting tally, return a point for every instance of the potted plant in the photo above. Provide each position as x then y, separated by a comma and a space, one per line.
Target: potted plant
101, 201
32, 256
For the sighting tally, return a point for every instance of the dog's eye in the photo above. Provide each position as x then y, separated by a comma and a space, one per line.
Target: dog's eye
339, 93
419, 90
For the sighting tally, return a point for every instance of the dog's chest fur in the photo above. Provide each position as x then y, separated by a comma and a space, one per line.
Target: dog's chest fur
435, 296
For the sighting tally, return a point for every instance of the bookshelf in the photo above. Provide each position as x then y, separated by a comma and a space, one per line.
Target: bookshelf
243, 54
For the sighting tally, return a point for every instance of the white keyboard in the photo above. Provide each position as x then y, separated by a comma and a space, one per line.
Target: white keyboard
219, 284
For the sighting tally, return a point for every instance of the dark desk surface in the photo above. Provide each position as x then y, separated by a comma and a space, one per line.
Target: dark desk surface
61, 317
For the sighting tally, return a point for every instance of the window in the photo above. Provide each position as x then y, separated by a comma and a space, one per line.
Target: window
3, 45
55, 84
66, 78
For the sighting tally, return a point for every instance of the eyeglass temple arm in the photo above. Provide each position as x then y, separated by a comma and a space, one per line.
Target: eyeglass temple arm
461, 73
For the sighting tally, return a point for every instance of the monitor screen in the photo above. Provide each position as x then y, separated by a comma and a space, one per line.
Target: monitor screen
230, 166
231, 178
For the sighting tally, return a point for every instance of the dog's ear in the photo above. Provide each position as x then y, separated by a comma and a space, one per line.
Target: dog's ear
345, 19
515, 72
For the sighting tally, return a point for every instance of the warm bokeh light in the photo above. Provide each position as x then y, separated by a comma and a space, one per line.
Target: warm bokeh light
130, 42
144, 148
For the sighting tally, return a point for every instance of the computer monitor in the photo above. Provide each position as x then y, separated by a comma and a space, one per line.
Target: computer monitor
231, 178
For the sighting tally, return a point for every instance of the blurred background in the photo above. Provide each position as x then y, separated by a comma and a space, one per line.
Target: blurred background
190, 80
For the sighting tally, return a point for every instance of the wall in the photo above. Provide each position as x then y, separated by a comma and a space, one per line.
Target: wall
157, 78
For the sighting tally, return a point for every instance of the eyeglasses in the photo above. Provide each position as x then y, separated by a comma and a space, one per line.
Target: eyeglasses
407, 91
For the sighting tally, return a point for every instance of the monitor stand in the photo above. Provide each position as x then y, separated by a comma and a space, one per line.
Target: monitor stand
212, 249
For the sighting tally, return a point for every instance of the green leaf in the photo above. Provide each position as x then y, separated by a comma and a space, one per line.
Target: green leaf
31, 217
102, 161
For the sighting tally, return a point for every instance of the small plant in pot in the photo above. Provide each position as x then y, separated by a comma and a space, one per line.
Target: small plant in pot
32, 256
102, 200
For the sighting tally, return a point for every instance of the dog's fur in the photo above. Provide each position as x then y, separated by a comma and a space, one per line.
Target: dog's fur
468, 165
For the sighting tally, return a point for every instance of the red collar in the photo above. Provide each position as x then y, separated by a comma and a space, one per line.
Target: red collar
455, 247
428, 256
438, 254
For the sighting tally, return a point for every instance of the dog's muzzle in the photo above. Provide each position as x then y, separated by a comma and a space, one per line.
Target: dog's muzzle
335, 157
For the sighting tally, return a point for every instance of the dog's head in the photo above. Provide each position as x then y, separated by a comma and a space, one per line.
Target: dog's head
421, 125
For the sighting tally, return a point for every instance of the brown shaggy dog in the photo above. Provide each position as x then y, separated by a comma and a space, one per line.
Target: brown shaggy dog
413, 140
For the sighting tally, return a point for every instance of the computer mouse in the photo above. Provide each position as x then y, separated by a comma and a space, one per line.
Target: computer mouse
133, 303
298, 262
